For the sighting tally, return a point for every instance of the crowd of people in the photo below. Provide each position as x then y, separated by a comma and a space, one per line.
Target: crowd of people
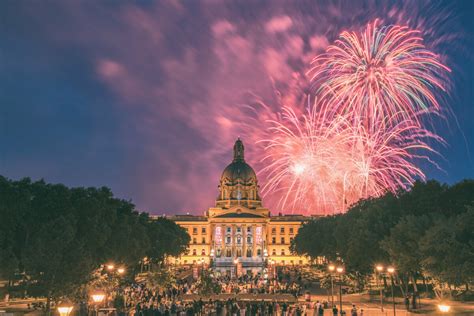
140, 300
248, 284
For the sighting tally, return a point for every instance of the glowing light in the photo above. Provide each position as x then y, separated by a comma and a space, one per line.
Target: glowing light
390, 270
340, 269
98, 297
258, 235
444, 308
331, 267
379, 268
298, 168
363, 132
384, 71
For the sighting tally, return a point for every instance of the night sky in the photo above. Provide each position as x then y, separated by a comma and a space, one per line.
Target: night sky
147, 98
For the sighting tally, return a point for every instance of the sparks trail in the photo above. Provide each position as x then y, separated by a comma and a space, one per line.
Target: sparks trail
364, 132
383, 71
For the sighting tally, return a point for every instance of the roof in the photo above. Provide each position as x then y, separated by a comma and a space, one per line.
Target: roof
239, 215
289, 218
188, 218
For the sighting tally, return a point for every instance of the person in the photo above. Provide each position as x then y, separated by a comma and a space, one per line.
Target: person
407, 302
334, 310
354, 310
321, 310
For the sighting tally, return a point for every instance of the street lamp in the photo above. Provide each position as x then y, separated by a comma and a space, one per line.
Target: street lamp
97, 298
110, 267
331, 269
391, 271
379, 268
65, 308
340, 271
121, 270
443, 308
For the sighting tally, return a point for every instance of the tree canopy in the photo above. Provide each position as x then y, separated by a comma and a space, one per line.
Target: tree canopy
56, 237
426, 231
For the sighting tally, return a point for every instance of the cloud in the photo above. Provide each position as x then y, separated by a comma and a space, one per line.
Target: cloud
279, 24
181, 75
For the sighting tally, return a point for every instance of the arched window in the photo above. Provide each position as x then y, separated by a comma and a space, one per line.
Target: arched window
203, 252
249, 252
274, 252
194, 252
283, 252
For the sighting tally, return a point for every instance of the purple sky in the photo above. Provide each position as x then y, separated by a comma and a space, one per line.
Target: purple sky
149, 98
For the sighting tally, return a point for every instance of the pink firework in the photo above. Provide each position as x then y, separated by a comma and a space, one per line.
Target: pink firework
381, 72
366, 133
323, 165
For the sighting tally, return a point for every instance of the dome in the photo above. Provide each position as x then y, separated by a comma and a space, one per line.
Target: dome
238, 169
238, 183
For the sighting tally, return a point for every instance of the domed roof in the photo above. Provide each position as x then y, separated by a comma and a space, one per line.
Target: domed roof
238, 169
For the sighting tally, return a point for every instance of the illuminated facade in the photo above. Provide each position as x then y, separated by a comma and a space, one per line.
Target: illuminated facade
239, 230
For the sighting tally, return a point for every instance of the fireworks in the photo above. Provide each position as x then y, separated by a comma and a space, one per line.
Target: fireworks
382, 72
364, 131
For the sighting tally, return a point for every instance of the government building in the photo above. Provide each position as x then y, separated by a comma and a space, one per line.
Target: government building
239, 235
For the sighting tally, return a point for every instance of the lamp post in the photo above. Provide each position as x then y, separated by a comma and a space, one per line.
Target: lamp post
379, 269
65, 308
391, 271
97, 298
331, 269
340, 271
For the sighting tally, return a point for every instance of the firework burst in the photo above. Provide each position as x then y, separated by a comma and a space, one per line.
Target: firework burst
384, 71
365, 133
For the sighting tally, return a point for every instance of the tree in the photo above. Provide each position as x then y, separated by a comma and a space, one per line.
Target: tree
448, 250
58, 236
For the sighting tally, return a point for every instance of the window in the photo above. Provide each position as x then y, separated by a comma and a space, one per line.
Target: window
229, 230
203, 240
203, 230
274, 252
274, 231
282, 240
291, 239
239, 240
291, 230
239, 252
282, 252
259, 252
249, 252
291, 262
273, 240
282, 230
249, 229
194, 252
239, 229
195, 230
228, 240
203, 252
228, 253
194, 241
249, 240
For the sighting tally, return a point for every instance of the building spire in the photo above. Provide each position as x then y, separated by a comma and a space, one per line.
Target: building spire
238, 150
